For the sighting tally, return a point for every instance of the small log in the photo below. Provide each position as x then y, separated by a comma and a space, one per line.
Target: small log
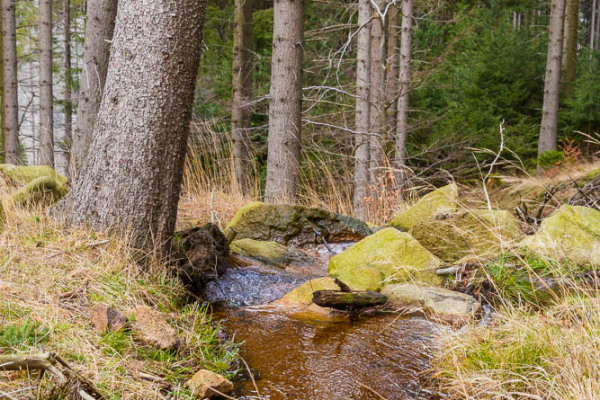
348, 301
20, 362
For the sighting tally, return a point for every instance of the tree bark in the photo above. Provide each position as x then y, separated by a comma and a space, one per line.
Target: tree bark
377, 97
100, 25
548, 130
593, 26
570, 46
131, 178
361, 144
391, 76
46, 97
404, 78
241, 110
68, 104
11, 98
285, 102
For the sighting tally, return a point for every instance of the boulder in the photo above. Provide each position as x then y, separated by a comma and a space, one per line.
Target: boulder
441, 201
388, 256
303, 294
105, 318
571, 233
41, 191
21, 175
151, 329
439, 303
270, 253
204, 381
293, 225
481, 233
202, 255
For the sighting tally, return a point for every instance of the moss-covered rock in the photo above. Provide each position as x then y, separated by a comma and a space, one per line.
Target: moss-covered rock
388, 256
292, 225
440, 201
21, 175
303, 294
439, 303
41, 191
571, 233
270, 253
482, 233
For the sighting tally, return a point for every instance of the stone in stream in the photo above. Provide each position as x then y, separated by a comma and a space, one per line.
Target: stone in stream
206, 384
481, 233
293, 225
441, 201
571, 233
270, 253
388, 256
438, 303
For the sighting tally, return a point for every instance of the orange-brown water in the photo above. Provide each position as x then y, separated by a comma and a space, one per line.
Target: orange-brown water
377, 357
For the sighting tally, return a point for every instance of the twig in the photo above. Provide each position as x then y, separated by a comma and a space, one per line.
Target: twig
485, 191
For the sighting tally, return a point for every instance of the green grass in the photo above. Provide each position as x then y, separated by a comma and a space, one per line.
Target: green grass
23, 335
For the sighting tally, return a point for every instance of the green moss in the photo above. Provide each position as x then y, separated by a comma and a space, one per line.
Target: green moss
268, 252
45, 190
388, 256
22, 175
571, 233
442, 200
303, 294
482, 233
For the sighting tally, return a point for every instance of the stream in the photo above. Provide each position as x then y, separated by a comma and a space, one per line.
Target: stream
300, 356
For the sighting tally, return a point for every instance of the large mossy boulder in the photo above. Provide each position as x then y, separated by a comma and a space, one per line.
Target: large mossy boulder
438, 303
270, 253
45, 190
571, 233
386, 257
481, 233
293, 225
441, 201
22, 175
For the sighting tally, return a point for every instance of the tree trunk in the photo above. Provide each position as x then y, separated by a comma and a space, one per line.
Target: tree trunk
46, 98
241, 110
593, 26
285, 102
11, 98
548, 131
376, 113
391, 77
100, 25
404, 78
68, 104
130, 180
361, 145
570, 46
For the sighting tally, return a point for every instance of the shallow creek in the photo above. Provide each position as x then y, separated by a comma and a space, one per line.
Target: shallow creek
302, 356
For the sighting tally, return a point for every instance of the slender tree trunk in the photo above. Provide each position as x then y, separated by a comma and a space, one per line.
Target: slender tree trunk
241, 111
2, 136
131, 178
100, 25
404, 78
391, 76
46, 97
361, 145
593, 26
570, 46
376, 113
11, 99
68, 103
548, 131
285, 102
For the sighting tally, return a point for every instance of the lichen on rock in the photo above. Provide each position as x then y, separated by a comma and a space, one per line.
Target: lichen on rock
293, 225
440, 201
303, 294
388, 256
270, 253
481, 233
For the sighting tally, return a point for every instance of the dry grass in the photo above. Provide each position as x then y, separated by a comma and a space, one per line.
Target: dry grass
50, 277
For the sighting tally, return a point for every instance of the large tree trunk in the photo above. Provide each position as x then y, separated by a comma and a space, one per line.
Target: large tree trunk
570, 46
68, 104
361, 143
391, 77
285, 102
10, 117
131, 178
548, 131
99, 28
241, 110
46, 98
404, 78
376, 113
